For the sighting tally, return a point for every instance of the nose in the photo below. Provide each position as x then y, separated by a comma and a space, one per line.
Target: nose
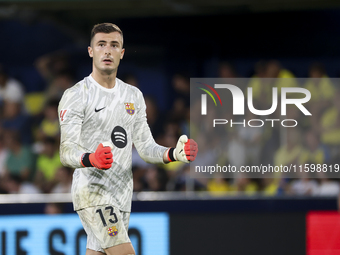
107, 50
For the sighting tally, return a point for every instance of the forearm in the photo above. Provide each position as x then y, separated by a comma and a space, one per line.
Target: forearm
69, 155
70, 150
147, 148
151, 152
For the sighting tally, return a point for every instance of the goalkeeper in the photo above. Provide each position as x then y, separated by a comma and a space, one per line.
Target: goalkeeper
100, 118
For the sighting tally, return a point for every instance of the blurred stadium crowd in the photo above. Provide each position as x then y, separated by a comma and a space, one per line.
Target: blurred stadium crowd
29, 136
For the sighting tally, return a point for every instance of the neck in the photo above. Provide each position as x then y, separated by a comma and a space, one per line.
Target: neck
104, 79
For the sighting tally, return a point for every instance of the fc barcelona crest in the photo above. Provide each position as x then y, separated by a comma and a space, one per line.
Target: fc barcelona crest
130, 108
113, 231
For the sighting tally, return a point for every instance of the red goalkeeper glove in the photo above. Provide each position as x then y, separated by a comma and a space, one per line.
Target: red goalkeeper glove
185, 151
101, 158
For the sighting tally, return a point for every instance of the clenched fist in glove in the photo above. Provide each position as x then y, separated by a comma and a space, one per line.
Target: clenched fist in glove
185, 151
101, 158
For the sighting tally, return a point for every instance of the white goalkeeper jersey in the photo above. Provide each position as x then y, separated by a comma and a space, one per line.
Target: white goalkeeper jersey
90, 114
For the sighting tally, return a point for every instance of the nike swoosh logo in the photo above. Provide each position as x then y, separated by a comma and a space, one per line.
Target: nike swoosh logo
99, 109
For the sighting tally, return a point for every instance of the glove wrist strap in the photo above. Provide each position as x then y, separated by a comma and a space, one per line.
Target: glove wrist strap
171, 157
85, 160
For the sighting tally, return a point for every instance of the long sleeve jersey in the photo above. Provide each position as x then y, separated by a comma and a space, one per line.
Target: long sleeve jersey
90, 114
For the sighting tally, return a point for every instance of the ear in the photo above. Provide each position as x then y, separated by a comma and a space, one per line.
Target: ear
90, 50
122, 53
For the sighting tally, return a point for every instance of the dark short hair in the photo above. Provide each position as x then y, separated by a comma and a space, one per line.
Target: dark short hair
105, 28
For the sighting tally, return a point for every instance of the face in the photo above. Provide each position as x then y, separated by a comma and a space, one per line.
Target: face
106, 51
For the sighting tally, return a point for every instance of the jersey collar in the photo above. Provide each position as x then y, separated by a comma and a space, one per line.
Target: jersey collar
115, 88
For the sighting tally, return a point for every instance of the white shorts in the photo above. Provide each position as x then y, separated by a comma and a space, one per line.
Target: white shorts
105, 226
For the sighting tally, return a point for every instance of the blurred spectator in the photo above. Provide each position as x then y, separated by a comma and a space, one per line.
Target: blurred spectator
303, 186
155, 178
313, 151
183, 181
47, 165
138, 178
275, 70
49, 126
236, 152
293, 112
206, 154
15, 119
250, 138
61, 82
52, 64
267, 76
328, 187
258, 85
54, 208
181, 85
322, 93
241, 186
270, 186
56, 70
244, 146
10, 89
260, 69
270, 144
172, 168
218, 186
195, 119
20, 161
290, 152
320, 86
227, 70
244, 185
170, 134
14, 184
34, 103
3, 189
154, 119
330, 124
3, 155
63, 178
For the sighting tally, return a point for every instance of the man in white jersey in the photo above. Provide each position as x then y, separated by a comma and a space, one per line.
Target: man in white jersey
100, 118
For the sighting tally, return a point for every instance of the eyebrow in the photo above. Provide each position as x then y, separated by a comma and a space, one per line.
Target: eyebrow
102, 41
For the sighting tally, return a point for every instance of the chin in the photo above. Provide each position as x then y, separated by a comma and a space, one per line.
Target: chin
108, 70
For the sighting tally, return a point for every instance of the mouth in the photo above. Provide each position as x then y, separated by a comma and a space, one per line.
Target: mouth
107, 61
